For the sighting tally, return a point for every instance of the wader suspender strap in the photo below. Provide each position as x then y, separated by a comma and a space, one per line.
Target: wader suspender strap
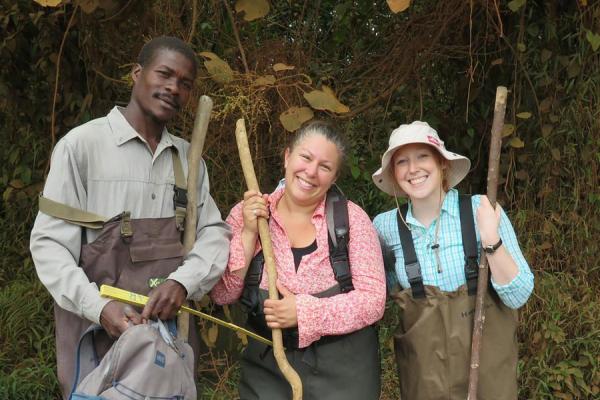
338, 255
469, 243
467, 229
90, 220
411, 263
180, 189
336, 213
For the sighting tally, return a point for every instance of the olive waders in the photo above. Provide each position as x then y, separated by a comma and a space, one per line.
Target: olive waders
334, 367
433, 342
131, 254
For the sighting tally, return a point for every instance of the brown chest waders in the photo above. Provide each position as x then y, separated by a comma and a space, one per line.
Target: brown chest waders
132, 254
433, 342
334, 367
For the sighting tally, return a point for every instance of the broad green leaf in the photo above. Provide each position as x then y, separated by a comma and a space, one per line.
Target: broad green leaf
253, 9
573, 69
555, 154
398, 5
227, 312
516, 143
521, 47
508, 130
242, 337
88, 6
546, 130
514, 5
545, 55
546, 104
355, 171
213, 334
593, 39
266, 80
49, 3
524, 115
294, 117
282, 67
218, 69
325, 100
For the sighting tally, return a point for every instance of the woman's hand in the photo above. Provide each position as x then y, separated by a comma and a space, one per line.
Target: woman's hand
255, 205
281, 313
488, 221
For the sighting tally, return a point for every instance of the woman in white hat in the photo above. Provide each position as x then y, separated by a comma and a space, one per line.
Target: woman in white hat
436, 240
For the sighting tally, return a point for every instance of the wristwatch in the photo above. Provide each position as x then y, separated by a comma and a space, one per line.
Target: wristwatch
491, 249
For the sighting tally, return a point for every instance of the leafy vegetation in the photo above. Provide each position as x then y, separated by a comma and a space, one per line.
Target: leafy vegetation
368, 69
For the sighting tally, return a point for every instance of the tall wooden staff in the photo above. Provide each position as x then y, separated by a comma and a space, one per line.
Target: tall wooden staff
267, 247
482, 280
194, 156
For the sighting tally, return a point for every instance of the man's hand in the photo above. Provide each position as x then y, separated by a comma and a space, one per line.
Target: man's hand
165, 300
281, 313
115, 318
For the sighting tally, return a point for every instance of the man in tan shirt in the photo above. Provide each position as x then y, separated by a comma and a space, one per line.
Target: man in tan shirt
126, 161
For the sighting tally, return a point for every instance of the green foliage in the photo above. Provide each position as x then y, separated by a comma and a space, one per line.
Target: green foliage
436, 61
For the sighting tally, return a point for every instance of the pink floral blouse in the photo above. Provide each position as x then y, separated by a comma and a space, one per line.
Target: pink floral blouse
317, 317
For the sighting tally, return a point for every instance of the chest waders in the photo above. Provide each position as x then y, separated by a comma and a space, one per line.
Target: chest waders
332, 368
131, 254
433, 342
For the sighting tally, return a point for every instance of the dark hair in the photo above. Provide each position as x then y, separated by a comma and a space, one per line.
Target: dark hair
151, 49
325, 129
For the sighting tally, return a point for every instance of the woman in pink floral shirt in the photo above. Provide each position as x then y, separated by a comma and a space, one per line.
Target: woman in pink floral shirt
328, 330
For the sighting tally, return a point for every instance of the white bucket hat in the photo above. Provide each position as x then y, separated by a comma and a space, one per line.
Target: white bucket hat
418, 132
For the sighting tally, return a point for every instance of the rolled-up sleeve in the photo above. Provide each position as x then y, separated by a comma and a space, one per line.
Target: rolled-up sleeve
205, 263
515, 293
363, 306
55, 245
230, 287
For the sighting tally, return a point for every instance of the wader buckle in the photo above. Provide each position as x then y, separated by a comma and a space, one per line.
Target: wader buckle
413, 273
471, 274
126, 229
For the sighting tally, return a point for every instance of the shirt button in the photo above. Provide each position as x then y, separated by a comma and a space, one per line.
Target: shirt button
153, 196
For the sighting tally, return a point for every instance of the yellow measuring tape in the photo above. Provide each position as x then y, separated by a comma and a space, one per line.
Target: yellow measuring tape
139, 300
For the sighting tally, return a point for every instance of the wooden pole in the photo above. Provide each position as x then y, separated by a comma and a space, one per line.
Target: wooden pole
482, 280
194, 157
267, 247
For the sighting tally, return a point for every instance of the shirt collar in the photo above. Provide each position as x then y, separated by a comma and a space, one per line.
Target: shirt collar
123, 131
449, 206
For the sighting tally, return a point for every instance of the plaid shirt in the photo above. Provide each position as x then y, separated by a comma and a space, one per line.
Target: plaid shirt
514, 294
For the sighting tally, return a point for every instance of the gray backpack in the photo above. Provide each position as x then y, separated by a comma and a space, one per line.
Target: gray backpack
146, 362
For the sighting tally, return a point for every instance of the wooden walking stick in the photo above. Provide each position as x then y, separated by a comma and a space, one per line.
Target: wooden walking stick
482, 280
194, 156
267, 247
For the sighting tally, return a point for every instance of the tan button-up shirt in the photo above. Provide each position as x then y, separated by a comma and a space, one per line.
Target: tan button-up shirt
105, 167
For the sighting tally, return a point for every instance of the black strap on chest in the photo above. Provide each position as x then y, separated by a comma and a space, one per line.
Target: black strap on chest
467, 229
336, 214
469, 240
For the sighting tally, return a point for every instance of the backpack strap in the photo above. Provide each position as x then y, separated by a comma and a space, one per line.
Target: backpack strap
411, 262
250, 298
469, 240
336, 213
180, 191
86, 358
